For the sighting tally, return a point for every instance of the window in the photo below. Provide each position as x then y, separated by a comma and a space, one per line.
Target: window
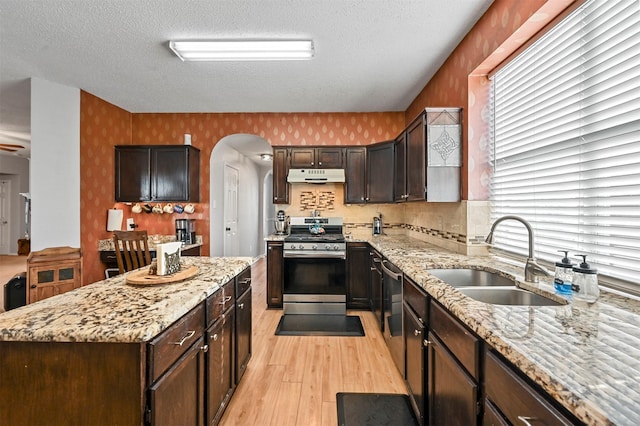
566, 132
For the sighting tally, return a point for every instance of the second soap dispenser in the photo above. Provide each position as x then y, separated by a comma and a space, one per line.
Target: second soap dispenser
585, 282
563, 275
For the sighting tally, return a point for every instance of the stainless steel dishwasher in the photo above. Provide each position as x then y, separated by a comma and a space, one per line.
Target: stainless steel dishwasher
392, 308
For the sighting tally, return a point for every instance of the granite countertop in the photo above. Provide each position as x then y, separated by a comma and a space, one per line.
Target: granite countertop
114, 311
107, 245
586, 356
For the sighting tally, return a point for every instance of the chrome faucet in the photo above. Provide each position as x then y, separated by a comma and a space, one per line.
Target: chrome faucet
532, 269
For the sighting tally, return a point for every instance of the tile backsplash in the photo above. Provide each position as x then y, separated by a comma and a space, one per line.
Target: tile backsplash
460, 227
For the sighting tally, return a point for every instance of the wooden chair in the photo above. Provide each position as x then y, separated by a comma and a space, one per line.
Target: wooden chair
132, 250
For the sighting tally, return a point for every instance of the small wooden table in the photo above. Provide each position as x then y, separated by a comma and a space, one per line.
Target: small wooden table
53, 271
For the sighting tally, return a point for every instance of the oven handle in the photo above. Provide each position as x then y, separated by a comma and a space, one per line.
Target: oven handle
389, 272
295, 255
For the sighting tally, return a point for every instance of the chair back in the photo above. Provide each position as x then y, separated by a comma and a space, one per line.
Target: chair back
132, 250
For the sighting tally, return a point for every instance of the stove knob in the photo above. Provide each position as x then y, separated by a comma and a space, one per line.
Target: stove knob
335, 247
327, 246
300, 247
314, 247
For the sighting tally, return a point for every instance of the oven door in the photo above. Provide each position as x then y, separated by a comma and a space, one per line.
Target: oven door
312, 275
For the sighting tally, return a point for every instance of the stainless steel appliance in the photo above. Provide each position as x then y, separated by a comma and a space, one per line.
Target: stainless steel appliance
314, 267
281, 223
186, 230
392, 312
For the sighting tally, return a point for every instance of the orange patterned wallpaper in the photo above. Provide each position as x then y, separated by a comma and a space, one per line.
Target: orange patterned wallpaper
104, 126
462, 79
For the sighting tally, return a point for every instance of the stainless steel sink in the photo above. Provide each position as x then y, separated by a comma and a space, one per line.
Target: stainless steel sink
465, 277
508, 296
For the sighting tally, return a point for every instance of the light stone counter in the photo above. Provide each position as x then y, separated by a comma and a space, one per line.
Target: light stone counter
114, 311
586, 356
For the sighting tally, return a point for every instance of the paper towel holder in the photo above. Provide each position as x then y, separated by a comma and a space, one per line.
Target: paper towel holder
114, 220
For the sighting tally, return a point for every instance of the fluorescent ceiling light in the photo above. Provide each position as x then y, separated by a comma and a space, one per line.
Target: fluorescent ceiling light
242, 50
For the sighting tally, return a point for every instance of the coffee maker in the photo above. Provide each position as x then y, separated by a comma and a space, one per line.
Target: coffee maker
186, 231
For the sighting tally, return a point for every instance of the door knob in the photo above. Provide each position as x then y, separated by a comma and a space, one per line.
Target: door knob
227, 229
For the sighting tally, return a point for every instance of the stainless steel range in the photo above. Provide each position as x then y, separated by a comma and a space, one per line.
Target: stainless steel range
314, 267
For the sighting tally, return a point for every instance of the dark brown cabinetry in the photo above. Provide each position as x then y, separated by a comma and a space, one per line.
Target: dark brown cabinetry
358, 290
243, 323
355, 188
400, 167
415, 329
453, 370
375, 265
380, 162
275, 268
315, 157
220, 374
511, 400
280, 172
415, 153
157, 173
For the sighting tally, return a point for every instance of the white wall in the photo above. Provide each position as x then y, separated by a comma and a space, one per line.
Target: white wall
15, 170
249, 205
55, 165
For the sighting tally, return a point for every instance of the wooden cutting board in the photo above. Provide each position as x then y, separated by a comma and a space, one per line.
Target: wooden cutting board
144, 278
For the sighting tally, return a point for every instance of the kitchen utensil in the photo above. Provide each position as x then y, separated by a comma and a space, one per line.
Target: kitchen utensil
157, 209
147, 208
168, 208
137, 208
189, 208
178, 208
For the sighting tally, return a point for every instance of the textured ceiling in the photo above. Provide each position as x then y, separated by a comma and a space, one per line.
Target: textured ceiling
370, 55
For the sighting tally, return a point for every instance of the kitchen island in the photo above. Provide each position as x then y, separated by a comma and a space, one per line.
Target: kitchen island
104, 353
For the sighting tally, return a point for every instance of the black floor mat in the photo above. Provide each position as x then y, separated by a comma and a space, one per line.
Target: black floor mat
379, 409
320, 325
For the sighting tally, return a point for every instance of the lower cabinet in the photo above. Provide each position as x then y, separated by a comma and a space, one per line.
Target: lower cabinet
375, 265
415, 327
243, 334
358, 288
220, 373
177, 397
275, 273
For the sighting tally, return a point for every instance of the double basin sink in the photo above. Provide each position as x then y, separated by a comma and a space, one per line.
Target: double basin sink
490, 287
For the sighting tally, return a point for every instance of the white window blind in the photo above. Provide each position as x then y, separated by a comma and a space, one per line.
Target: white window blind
566, 133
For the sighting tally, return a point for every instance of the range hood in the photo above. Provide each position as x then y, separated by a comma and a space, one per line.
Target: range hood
315, 175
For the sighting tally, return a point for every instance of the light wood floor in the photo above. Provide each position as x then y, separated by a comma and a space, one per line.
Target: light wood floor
293, 380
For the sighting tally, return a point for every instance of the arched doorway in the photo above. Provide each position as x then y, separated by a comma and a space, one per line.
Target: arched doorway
242, 235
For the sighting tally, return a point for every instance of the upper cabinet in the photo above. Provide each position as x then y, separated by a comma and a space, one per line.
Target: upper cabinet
428, 157
280, 171
318, 158
355, 186
380, 161
157, 173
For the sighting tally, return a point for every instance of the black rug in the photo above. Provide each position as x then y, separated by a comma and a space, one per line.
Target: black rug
374, 409
320, 325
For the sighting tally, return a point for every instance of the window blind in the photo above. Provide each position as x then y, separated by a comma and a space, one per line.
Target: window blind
566, 134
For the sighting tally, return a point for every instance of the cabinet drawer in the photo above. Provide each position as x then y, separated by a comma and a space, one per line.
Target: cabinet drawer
416, 298
167, 347
515, 398
243, 282
220, 301
460, 341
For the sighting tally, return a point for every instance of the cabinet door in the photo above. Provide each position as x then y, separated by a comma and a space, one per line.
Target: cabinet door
452, 393
355, 176
330, 158
220, 374
303, 158
280, 172
243, 334
380, 176
177, 397
358, 293
376, 287
172, 173
274, 274
415, 361
133, 173
400, 168
416, 158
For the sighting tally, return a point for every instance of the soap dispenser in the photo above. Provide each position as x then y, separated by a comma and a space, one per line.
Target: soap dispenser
585, 282
563, 275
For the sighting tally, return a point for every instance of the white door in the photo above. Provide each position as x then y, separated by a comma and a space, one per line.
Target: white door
231, 239
5, 199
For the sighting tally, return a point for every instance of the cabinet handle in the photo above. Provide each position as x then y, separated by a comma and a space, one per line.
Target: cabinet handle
312, 163
33, 286
417, 332
186, 337
204, 348
215, 337
241, 306
245, 281
225, 300
525, 420
319, 163
426, 342
366, 199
